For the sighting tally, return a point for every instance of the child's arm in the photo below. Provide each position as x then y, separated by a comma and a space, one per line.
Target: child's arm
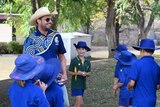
158, 86
41, 84
131, 85
74, 73
116, 86
116, 80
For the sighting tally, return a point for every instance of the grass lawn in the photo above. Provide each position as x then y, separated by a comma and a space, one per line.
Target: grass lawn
99, 86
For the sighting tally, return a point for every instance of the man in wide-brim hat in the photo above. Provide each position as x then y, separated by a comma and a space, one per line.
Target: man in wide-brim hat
145, 76
48, 44
41, 12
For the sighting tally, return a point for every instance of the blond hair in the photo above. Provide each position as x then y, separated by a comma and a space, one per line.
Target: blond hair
21, 83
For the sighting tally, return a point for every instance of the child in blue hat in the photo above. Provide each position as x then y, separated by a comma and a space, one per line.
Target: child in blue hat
23, 92
79, 68
53, 92
126, 59
145, 76
118, 50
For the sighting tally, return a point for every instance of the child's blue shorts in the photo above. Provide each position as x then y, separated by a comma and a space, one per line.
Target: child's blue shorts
77, 92
125, 101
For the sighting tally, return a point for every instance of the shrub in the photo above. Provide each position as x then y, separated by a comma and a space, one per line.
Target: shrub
14, 47
3, 48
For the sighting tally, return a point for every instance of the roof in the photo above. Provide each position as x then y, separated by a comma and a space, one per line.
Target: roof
5, 15
73, 35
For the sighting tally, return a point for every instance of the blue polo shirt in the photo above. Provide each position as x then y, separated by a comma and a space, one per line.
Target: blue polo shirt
28, 96
146, 74
124, 78
54, 95
48, 46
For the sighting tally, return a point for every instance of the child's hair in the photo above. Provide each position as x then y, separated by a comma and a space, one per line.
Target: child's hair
21, 83
149, 51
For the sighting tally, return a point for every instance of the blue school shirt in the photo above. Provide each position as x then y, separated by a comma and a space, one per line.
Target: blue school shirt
28, 96
124, 78
146, 74
54, 95
117, 69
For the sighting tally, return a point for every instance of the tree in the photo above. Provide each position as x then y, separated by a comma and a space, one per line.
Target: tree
110, 26
76, 14
35, 5
138, 12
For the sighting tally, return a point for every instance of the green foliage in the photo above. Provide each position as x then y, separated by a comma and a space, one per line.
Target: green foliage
127, 10
74, 14
3, 48
14, 47
79, 13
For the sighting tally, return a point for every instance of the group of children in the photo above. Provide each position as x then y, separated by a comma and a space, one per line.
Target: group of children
34, 79
138, 79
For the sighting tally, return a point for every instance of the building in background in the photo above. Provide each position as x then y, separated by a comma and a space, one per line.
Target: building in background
7, 30
73, 37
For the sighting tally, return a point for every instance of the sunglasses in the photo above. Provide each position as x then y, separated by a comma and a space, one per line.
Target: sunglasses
48, 19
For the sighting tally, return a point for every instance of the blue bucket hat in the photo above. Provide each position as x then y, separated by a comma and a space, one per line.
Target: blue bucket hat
120, 47
146, 44
27, 67
82, 44
50, 72
126, 57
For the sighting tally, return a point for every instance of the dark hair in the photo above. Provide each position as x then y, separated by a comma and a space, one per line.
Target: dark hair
149, 51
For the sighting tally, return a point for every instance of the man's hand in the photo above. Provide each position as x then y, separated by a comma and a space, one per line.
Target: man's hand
64, 78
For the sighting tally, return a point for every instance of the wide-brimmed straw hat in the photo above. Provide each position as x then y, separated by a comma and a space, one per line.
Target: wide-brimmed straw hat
120, 47
146, 44
43, 11
126, 57
50, 72
82, 44
27, 67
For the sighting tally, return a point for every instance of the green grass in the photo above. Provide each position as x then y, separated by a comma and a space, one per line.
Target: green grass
99, 86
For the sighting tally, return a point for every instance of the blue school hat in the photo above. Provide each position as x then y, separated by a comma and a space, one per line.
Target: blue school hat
82, 44
126, 58
26, 67
146, 44
120, 47
50, 72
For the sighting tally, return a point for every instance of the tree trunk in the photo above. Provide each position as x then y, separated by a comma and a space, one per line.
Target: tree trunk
110, 27
35, 5
117, 27
141, 21
55, 18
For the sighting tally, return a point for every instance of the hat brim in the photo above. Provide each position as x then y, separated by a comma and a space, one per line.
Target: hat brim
19, 75
34, 17
85, 47
116, 56
138, 48
113, 49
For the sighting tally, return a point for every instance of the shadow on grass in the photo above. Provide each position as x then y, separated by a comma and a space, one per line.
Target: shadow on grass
4, 98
